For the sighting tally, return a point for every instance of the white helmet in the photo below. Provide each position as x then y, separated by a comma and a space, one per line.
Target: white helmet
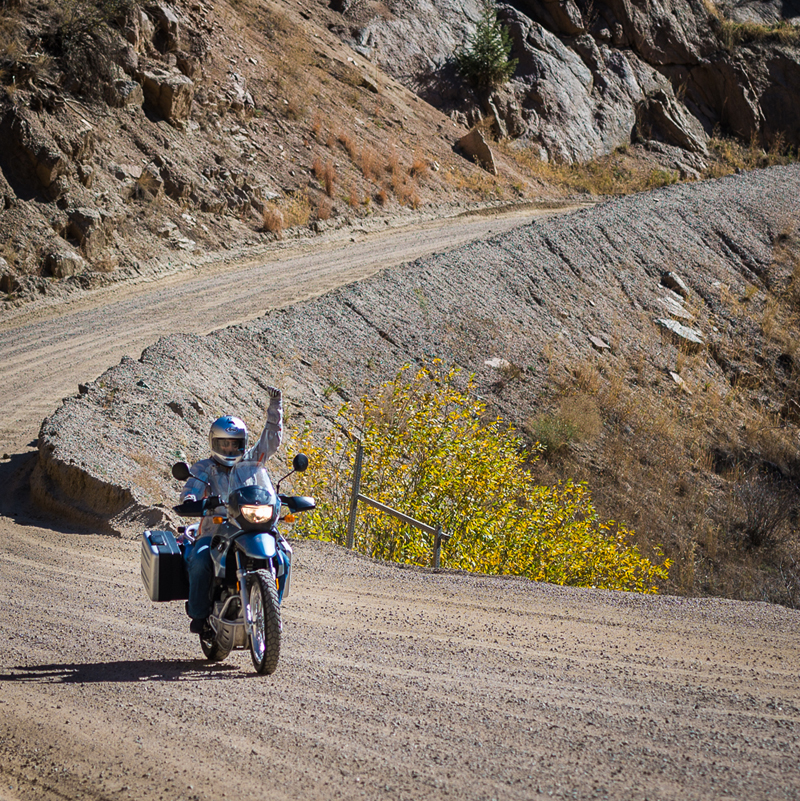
228, 440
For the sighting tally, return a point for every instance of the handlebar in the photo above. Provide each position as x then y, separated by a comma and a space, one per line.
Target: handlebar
197, 508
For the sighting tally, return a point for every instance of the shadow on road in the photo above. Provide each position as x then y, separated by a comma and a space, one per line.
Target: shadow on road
125, 671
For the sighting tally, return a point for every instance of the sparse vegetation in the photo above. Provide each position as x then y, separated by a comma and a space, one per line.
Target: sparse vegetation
273, 220
711, 474
734, 34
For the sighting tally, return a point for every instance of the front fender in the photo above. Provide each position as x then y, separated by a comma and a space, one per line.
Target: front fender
257, 545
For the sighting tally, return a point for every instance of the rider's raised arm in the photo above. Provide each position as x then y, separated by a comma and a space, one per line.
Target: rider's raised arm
270, 439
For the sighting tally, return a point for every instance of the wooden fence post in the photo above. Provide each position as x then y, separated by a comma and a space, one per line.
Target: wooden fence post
351, 523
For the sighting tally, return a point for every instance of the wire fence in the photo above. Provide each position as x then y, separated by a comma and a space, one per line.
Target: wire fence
439, 536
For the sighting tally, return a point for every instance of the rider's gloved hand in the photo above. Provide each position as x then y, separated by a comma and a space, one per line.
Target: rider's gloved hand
275, 410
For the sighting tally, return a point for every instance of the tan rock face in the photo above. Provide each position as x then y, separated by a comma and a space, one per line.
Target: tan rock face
26, 136
86, 226
474, 147
168, 93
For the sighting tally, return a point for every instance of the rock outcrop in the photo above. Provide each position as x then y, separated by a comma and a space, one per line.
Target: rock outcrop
168, 93
593, 75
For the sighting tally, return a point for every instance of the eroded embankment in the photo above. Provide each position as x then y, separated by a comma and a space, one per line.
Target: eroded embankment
557, 289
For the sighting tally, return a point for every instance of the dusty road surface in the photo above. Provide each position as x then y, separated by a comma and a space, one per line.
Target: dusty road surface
392, 684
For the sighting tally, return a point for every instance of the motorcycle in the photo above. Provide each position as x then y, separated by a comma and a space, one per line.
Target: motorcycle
251, 561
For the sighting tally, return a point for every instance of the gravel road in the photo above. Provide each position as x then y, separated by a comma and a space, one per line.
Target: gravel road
393, 683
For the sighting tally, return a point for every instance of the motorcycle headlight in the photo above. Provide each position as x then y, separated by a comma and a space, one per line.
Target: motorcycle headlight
257, 514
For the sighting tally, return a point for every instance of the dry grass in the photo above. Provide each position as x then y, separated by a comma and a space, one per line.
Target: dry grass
609, 175
711, 476
370, 164
477, 182
392, 162
419, 167
273, 220
324, 208
350, 145
296, 210
382, 196
352, 196
325, 173
732, 156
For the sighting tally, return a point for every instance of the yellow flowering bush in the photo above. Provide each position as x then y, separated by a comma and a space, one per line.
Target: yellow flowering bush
431, 453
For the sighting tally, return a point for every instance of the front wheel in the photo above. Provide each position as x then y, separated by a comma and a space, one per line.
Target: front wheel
265, 632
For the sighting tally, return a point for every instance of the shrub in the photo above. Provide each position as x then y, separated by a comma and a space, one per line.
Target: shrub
484, 60
762, 509
273, 221
552, 433
430, 452
324, 208
369, 163
297, 210
325, 173
84, 43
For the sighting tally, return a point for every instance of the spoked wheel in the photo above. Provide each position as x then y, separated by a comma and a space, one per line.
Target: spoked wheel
265, 634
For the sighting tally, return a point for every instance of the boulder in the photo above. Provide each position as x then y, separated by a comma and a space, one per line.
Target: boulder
87, 227
150, 184
168, 93
63, 263
25, 137
146, 31
475, 148
660, 116
127, 93
236, 93
687, 338
167, 27
177, 185
675, 283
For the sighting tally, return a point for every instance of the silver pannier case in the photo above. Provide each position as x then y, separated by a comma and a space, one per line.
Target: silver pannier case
163, 570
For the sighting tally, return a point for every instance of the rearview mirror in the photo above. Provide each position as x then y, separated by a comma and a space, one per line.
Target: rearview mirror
300, 462
180, 470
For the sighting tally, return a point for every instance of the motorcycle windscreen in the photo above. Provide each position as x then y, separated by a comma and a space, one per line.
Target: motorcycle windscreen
257, 545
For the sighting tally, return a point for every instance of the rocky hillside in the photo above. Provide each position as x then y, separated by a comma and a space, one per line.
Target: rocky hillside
140, 134
592, 76
649, 343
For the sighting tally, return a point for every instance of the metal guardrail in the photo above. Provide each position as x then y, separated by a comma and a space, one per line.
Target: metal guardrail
438, 535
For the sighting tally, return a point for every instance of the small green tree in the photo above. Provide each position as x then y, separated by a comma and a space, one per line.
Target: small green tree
484, 59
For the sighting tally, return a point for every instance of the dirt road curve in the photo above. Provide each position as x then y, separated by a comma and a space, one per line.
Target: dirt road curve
47, 351
393, 684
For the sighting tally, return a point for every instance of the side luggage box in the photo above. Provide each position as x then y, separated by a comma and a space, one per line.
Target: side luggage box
163, 570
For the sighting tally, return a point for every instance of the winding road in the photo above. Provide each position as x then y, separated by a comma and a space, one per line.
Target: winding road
393, 683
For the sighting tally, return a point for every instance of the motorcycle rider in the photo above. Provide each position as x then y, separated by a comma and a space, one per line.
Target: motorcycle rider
227, 440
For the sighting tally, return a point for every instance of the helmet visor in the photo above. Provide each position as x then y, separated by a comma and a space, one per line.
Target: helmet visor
228, 446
